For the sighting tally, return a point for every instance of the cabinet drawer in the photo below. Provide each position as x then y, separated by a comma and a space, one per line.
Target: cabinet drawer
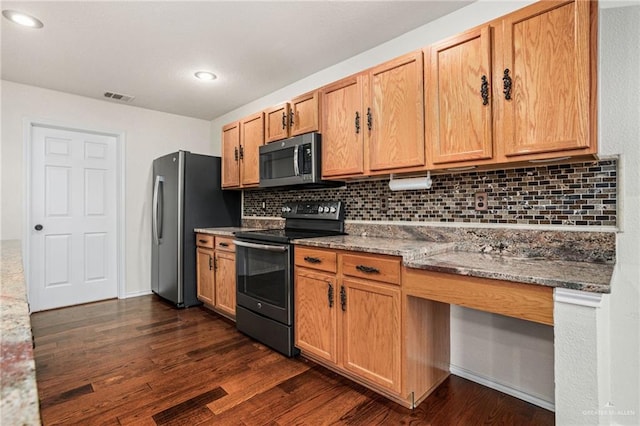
372, 267
204, 240
323, 260
225, 244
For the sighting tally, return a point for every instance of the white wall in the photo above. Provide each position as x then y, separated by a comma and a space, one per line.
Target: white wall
148, 134
619, 133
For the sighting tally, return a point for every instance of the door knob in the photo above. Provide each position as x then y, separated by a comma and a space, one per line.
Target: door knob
38, 227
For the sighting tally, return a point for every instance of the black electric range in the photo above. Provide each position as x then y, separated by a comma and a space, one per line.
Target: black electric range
264, 271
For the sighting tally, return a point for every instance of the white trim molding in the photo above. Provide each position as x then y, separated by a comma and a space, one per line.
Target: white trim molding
490, 383
576, 297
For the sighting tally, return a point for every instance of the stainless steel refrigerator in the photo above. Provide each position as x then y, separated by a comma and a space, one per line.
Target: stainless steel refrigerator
187, 194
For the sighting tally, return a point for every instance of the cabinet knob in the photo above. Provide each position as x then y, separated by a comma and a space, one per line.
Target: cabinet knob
38, 227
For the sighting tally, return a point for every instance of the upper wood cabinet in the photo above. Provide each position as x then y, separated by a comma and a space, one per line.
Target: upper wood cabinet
240, 152
298, 116
547, 73
276, 123
231, 155
373, 122
251, 138
394, 117
458, 99
343, 128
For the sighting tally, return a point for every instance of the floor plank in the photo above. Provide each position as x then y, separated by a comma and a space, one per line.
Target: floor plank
140, 361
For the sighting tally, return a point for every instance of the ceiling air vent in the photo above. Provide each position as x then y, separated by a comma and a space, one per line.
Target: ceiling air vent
119, 96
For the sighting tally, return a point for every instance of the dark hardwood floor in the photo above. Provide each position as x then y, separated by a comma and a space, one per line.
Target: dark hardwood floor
139, 361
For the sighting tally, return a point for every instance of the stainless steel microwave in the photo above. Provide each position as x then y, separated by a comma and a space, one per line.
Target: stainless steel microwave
293, 161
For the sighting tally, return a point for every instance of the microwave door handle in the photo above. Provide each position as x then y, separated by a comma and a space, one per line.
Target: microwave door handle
296, 166
260, 246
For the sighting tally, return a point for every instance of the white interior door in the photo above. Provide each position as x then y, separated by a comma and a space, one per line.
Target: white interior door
73, 237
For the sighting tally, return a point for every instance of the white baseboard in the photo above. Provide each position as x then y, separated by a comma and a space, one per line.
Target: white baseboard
490, 383
137, 294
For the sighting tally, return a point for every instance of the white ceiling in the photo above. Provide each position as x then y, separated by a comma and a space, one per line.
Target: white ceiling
151, 49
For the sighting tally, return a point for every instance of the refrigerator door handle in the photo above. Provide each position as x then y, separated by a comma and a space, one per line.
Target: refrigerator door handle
157, 210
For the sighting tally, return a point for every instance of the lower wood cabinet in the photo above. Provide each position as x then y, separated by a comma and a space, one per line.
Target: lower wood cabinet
225, 267
371, 332
216, 273
205, 275
350, 324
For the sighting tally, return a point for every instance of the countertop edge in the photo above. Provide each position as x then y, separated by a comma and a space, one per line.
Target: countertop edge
418, 258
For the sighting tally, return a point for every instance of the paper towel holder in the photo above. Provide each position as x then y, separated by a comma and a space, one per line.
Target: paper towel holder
409, 183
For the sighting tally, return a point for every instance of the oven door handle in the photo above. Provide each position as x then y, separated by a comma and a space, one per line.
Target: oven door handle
261, 246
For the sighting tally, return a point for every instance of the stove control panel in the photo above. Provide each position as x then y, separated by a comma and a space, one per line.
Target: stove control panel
331, 210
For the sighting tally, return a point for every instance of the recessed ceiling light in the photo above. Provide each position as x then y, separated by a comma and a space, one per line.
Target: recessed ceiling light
205, 75
22, 19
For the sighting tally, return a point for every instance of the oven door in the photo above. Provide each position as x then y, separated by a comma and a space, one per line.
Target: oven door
263, 277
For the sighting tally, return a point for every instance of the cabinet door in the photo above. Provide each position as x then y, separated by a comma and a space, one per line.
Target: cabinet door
205, 273
343, 128
316, 302
457, 98
276, 123
226, 282
303, 115
547, 63
231, 155
251, 138
395, 114
371, 332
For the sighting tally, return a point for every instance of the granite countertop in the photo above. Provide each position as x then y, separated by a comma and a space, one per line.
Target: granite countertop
454, 258
227, 231
18, 390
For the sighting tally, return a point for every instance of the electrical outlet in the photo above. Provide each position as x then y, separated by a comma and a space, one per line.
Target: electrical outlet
481, 203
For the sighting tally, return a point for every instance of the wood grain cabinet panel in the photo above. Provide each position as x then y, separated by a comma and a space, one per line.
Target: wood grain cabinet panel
240, 152
251, 138
458, 99
231, 155
225, 284
316, 314
343, 128
548, 52
395, 114
304, 114
323, 260
276, 123
205, 275
299, 115
371, 330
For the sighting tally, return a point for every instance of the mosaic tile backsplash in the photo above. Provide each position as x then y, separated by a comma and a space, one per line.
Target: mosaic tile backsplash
574, 194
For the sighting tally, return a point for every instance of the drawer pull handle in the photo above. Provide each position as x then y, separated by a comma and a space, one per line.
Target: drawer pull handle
312, 259
224, 244
330, 294
203, 241
343, 298
368, 269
